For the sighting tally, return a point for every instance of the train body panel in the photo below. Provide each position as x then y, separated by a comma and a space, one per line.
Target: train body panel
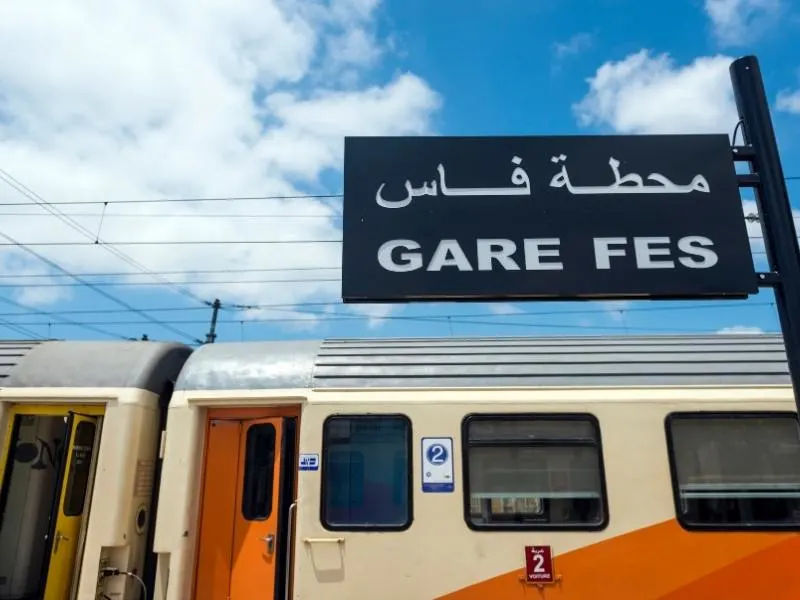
103, 403
576, 445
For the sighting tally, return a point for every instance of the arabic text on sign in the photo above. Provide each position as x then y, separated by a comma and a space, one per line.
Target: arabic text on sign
633, 183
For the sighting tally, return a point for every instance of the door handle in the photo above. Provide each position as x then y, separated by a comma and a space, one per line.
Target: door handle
269, 539
59, 537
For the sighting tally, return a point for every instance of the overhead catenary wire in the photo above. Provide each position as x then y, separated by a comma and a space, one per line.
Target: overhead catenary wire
48, 206
150, 284
190, 200
21, 329
203, 242
291, 308
186, 200
97, 289
61, 319
180, 243
458, 321
181, 215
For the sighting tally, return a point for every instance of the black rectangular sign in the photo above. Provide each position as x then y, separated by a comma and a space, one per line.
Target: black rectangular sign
499, 218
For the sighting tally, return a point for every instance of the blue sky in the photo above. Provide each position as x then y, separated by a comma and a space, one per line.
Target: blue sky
253, 100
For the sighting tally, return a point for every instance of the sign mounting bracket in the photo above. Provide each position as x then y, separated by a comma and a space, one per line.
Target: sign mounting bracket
774, 208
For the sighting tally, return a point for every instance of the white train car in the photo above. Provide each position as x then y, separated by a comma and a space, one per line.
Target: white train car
466, 469
80, 427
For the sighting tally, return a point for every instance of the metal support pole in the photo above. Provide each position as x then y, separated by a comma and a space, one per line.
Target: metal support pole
772, 199
212, 332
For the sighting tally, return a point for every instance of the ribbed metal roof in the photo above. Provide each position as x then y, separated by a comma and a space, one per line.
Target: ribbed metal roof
93, 364
488, 362
11, 353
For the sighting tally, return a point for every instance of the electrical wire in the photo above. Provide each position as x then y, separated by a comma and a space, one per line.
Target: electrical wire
141, 583
179, 215
19, 328
456, 321
183, 272
214, 199
200, 242
338, 316
39, 201
149, 283
187, 200
95, 288
113, 572
61, 319
180, 243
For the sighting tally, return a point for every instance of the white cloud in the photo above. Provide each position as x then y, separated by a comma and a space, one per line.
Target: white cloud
159, 98
504, 309
740, 329
645, 93
789, 102
574, 45
738, 22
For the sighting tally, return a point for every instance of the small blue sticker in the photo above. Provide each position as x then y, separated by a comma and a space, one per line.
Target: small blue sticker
309, 462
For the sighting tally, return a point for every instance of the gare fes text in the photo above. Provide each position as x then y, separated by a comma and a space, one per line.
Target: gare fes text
543, 254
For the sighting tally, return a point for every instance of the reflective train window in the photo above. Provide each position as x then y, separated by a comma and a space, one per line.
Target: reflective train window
366, 472
735, 470
529, 471
259, 472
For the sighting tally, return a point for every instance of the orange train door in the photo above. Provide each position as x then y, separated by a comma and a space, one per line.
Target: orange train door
248, 488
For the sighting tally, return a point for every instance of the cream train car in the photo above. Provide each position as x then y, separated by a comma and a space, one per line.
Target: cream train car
641, 468
80, 426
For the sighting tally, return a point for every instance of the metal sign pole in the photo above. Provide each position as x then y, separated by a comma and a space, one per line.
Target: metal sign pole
774, 209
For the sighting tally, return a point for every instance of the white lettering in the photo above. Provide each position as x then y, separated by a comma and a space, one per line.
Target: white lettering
644, 253
411, 260
689, 246
534, 254
487, 252
543, 254
602, 252
440, 258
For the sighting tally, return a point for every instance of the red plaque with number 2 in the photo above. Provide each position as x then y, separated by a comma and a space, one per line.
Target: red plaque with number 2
539, 564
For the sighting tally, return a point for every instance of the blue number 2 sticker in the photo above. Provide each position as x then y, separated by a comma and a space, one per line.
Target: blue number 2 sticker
437, 454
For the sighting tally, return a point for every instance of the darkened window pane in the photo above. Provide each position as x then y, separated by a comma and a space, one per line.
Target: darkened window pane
737, 470
79, 468
536, 472
366, 472
259, 465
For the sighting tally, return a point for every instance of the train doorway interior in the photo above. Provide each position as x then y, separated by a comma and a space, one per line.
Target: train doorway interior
47, 466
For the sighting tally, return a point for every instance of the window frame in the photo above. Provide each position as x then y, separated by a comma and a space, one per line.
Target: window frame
249, 518
673, 468
409, 477
534, 416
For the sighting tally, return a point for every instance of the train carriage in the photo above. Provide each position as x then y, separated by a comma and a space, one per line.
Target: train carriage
80, 426
465, 469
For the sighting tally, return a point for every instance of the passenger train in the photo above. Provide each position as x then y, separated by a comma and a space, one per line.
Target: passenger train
401, 469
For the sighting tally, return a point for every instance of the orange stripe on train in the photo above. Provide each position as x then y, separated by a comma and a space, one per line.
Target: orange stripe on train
663, 562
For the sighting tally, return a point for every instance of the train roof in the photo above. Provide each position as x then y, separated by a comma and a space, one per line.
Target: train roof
677, 360
91, 364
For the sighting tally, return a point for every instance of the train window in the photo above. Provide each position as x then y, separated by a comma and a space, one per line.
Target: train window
259, 472
735, 470
531, 471
79, 469
366, 473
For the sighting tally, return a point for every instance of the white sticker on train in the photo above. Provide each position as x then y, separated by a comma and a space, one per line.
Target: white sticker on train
437, 465
309, 462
